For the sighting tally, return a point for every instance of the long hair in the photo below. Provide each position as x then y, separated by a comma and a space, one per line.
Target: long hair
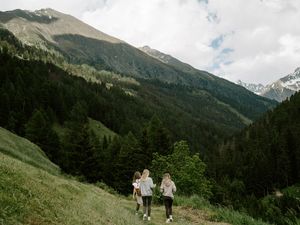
145, 175
137, 175
166, 179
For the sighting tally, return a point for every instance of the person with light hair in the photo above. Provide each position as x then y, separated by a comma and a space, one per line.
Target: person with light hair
146, 186
168, 188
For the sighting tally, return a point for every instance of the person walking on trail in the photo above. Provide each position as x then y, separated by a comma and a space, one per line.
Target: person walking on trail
146, 187
137, 191
168, 188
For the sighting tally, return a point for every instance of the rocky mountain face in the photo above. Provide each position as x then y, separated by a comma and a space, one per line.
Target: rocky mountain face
284, 87
41, 26
280, 90
168, 59
255, 88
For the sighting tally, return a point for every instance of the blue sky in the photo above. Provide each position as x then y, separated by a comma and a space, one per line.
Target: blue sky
255, 41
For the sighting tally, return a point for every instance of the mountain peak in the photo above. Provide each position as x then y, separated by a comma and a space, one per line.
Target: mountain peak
29, 26
284, 87
256, 88
167, 59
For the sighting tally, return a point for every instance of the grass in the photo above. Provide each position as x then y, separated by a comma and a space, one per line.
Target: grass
215, 213
32, 196
33, 192
235, 218
25, 151
293, 191
97, 127
100, 129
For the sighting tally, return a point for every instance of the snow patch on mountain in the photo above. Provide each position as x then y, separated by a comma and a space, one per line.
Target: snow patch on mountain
255, 88
279, 90
284, 87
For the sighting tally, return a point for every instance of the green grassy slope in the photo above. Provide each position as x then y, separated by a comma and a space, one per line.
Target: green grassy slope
96, 126
100, 129
31, 195
25, 151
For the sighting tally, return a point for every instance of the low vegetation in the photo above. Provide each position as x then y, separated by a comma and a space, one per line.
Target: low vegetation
25, 151
34, 195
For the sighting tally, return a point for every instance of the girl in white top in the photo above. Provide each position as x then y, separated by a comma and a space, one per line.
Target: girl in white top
137, 191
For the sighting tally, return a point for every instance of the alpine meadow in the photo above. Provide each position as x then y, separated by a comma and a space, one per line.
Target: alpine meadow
82, 111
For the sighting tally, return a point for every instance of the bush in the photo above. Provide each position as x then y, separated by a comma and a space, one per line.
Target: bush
282, 210
194, 201
186, 171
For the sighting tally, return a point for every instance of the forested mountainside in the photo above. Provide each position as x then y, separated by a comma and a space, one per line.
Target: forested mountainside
262, 159
200, 112
57, 85
104, 52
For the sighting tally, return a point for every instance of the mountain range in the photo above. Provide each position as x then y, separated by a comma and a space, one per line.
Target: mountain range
279, 90
101, 109
215, 106
255, 88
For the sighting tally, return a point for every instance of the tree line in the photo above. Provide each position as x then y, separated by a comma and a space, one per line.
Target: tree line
35, 95
259, 161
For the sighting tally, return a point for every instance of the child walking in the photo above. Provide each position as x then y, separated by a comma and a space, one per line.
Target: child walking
137, 191
168, 187
146, 190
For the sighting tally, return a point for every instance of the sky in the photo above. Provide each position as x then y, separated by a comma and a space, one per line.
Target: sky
256, 41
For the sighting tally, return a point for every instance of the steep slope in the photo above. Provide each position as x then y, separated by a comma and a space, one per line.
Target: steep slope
105, 52
168, 59
284, 87
265, 155
255, 88
41, 85
40, 26
26, 151
31, 195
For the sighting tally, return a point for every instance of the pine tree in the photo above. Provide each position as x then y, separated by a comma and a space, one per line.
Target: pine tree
131, 159
38, 129
159, 138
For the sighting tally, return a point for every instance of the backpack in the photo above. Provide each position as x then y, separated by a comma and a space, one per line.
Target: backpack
138, 192
137, 189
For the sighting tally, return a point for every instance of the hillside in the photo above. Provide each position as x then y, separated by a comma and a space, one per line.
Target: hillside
120, 57
26, 151
48, 23
196, 111
31, 195
262, 159
168, 59
267, 152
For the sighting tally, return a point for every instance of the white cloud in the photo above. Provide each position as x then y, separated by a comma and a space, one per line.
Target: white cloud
176, 27
264, 38
260, 37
